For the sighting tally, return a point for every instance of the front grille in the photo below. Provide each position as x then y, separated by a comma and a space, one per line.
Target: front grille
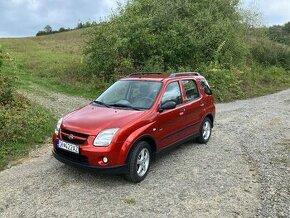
78, 138
71, 156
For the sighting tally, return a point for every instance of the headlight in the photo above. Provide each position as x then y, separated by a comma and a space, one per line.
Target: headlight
58, 126
105, 137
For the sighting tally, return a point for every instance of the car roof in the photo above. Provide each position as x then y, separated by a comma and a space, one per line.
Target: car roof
162, 77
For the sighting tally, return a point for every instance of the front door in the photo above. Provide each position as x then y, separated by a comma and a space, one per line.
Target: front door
170, 123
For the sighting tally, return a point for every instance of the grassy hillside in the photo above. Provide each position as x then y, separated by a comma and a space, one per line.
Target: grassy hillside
53, 62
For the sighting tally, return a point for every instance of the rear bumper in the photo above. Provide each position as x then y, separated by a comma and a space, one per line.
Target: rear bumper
103, 170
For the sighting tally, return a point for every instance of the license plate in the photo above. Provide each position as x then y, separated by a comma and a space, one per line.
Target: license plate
68, 146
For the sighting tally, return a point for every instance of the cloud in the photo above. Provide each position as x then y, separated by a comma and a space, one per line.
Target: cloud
273, 12
26, 17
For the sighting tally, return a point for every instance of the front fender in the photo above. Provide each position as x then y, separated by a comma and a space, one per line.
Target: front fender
133, 138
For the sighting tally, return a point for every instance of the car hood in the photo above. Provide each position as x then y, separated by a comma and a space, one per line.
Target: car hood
92, 119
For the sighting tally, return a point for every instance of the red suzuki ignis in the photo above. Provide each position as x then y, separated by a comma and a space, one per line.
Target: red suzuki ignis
135, 119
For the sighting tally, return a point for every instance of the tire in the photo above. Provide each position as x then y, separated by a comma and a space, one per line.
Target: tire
205, 131
139, 162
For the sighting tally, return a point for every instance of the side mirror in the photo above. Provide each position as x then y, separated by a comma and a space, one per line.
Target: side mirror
167, 106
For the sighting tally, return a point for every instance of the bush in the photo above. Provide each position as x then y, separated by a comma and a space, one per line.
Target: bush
269, 53
166, 36
234, 84
280, 33
226, 84
6, 91
21, 127
1, 56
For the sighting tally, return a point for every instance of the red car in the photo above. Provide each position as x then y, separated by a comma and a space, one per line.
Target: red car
133, 120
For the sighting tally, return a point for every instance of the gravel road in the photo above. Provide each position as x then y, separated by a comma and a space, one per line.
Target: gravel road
244, 171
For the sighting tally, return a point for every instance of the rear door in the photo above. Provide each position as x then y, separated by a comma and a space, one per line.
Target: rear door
193, 107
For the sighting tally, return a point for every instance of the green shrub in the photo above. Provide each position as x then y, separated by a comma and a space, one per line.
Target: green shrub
1, 56
270, 53
225, 83
6, 91
151, 35
234, 84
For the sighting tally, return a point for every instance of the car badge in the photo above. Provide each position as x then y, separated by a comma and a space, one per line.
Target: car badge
71, 137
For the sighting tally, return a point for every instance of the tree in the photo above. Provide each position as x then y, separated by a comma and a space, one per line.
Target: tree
161, 35
62, 29
48, 29
41, 33
287, 28
80, 25
280, 33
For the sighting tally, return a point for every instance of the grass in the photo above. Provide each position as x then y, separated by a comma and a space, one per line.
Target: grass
54, 62
130, 201
280, 160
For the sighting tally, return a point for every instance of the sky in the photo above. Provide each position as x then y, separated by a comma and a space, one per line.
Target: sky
20, 18
272, 12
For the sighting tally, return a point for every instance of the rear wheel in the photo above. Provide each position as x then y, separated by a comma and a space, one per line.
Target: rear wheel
205, 131
139, 162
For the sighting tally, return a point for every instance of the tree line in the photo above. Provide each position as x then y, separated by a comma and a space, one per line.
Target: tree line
47, 30
280, 33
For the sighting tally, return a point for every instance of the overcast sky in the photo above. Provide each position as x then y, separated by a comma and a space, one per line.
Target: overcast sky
20, 18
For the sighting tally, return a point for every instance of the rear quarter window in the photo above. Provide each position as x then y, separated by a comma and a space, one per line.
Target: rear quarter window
191, 90
204, 84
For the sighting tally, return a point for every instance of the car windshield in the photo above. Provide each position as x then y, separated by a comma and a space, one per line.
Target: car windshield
130, 94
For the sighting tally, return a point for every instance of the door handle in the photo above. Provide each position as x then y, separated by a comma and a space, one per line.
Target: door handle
182, 110
202, 104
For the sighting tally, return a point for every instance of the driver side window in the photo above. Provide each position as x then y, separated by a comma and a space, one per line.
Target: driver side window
172, 93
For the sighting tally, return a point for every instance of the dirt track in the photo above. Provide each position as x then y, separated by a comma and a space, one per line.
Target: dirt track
244, 171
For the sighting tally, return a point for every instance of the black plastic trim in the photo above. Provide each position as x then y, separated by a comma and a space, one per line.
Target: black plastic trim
105, 170
180, 130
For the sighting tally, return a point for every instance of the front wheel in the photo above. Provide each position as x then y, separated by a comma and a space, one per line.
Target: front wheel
205, 131
139, 162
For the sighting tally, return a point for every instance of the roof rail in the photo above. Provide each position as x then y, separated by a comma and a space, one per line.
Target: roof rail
142, 74
184, 74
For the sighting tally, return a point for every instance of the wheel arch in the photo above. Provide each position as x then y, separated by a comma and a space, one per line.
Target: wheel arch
147, 138
211, 117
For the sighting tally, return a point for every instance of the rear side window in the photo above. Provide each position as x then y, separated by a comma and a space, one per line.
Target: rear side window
205, 86
172, 93
191, 90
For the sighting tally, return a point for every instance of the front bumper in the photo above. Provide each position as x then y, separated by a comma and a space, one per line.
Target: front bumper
83, 165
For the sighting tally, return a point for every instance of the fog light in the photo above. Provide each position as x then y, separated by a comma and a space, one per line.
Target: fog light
105, 160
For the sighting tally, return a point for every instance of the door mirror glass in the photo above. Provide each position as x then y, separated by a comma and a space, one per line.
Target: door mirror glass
167, 106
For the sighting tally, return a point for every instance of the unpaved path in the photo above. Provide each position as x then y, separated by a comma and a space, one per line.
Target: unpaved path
244, 171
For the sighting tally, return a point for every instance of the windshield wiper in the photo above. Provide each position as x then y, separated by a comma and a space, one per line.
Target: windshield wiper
101, 103
124, 106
